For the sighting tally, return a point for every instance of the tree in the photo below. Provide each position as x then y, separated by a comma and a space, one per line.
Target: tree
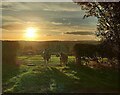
86, 50
108, 15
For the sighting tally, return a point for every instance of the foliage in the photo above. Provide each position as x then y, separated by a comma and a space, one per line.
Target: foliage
108, 14
87, 50
104, 50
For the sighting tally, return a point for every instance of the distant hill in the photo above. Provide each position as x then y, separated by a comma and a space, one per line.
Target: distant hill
53, 46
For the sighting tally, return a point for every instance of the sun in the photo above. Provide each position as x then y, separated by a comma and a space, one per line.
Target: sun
31, 32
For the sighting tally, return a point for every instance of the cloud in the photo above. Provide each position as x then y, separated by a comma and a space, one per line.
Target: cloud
14, 6
56, 6
11, 19
66, 13
14, 26
56, 23
52, 19
68, 37
46, 6
4, 30
80, 33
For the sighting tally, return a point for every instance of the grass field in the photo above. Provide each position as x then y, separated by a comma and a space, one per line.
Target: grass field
57, 79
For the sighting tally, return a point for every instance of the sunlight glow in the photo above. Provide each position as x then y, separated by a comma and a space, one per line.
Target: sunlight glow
30, 32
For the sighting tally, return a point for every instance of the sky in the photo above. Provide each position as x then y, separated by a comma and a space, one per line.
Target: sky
52, 21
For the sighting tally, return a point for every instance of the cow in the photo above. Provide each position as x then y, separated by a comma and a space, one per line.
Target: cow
63, 59
46, 56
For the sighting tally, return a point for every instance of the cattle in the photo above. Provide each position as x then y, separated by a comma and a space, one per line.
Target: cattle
63, 59
46, 56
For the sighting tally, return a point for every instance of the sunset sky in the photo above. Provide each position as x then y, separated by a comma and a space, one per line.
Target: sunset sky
52, 21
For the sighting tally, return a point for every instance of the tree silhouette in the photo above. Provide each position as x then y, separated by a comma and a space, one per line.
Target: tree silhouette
108, 15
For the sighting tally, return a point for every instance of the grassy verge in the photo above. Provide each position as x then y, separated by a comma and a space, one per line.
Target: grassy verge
54, 78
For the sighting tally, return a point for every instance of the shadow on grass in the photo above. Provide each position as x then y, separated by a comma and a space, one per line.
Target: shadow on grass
67, 79
49, 80
96, 80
